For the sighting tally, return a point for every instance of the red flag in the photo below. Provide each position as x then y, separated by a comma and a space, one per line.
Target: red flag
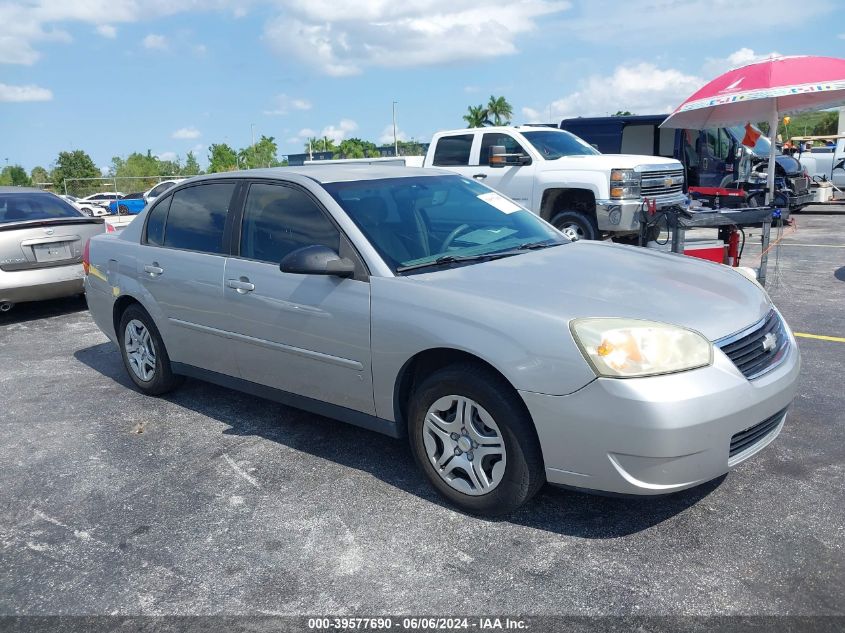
751, 136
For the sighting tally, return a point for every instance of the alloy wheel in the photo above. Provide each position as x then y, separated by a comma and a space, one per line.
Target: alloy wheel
464, 445
140, 350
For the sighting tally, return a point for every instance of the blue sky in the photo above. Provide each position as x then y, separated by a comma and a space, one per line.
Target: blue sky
115, 76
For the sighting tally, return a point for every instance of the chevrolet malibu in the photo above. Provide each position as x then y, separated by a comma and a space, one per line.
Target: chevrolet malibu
422, 304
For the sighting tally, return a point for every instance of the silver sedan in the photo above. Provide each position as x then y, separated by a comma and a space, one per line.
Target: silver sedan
422, 304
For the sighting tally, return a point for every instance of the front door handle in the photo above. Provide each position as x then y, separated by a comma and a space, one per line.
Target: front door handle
153, 269
479, 176
242, 285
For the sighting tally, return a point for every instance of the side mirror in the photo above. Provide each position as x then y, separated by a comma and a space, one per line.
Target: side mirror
499, 157
317, 260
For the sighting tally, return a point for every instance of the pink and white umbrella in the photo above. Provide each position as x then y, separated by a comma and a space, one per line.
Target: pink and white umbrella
763, 91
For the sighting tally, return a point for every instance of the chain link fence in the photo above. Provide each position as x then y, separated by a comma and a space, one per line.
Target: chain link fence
82, 187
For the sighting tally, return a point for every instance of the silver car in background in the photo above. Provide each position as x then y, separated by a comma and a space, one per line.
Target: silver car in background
423, 304
41, 242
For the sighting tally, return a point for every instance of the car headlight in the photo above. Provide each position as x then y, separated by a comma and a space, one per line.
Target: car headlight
624, 183
627, 348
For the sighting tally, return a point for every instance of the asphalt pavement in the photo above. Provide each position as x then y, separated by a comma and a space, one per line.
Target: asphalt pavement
209, 501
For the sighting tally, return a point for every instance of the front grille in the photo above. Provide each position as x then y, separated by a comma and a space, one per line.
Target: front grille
654, 182
758, 349
753, 434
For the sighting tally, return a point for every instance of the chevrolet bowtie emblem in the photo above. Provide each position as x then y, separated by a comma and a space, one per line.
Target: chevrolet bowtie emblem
668, 182
770, 342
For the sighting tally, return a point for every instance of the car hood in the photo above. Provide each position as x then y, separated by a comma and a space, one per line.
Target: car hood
612, 161
600, 279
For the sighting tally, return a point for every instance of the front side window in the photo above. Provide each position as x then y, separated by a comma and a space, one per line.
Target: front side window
19, 207
511, 145
425, 221
197, 218
279, 219
453, 151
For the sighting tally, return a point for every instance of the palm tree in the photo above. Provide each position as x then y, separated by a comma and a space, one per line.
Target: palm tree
476, 116
500, 110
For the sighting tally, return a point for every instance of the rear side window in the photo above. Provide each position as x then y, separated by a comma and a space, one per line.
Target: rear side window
197, 218
279, 219
156, 221
453, 150
19, 207
160, 189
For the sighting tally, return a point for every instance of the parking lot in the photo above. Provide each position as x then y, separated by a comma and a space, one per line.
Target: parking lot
210, 501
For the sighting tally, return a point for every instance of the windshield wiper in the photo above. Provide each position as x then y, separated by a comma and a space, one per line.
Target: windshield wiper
533, 246
455, 259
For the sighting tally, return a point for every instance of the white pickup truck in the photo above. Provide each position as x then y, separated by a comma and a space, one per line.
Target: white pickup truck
561, 178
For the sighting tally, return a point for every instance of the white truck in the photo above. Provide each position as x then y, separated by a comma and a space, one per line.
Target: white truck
561, 178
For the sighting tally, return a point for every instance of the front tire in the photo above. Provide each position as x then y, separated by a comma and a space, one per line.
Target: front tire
144, 355
576, 225
474, 440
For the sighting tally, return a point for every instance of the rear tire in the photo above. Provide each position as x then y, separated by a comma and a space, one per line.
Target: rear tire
144, 355
576, 225
495, 465
122, 210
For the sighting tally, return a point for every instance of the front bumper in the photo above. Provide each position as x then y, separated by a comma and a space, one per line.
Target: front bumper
41, 283
624, 215
800, 199
656, 435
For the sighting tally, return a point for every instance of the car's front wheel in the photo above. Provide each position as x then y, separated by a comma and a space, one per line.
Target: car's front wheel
474, 440
144, 354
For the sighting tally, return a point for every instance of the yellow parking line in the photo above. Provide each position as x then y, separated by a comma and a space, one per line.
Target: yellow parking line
835, 339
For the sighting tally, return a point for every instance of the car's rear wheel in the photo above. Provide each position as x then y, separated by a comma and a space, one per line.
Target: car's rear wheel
576, 225
144, 354
474, 440
122, 210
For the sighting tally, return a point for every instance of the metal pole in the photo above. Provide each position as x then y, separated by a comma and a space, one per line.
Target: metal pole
773, 135
252, 131
395, 140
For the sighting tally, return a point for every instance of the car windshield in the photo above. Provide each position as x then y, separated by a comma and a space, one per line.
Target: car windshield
20, 207
761, 148
429, 221
554, 144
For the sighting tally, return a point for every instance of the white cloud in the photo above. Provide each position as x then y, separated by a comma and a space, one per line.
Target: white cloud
640, 88
167, 156
186, 133
24, 93
155, 42
715, 66
340, 131
283, 104
107, 31
841, 36
386, 137
342, 37
200, 50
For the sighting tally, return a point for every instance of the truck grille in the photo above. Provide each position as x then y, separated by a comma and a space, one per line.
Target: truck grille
753, 434
758, 349
661, 183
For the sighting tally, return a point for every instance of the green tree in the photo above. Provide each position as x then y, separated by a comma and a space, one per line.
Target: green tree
262, 154
39, 175
14, 175
499, 110
476, 116
70, 165
356, 148
324, 144
191, 166
623, 113
828, 124
221, 157
410, 148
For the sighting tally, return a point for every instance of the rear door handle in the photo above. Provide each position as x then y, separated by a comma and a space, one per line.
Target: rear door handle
153, 269
479, 176
242, 285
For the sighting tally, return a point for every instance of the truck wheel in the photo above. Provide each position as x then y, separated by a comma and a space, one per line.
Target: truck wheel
576, 225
